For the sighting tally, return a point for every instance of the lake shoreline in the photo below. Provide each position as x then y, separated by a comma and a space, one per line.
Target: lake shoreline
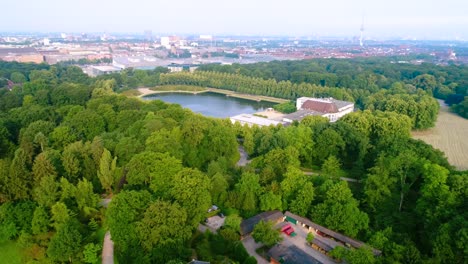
144, 91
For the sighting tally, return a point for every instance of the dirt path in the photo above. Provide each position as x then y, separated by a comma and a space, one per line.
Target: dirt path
244, 157
108, 250
449, 135
341, 178
145, 91
108, 245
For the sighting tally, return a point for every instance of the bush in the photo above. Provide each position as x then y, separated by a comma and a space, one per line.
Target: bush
286, 108
310, 237
250, 260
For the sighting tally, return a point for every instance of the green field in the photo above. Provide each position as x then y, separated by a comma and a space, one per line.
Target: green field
10, 253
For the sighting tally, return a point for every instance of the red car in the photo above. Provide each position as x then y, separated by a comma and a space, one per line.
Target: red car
288, 230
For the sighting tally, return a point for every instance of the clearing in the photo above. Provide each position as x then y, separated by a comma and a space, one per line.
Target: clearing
450, 135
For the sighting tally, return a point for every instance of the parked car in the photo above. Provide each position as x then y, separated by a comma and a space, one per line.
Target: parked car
221, 215
288, 230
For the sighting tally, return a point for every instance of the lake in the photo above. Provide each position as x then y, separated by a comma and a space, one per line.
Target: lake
212, 104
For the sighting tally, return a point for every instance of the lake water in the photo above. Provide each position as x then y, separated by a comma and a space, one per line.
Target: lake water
212, 104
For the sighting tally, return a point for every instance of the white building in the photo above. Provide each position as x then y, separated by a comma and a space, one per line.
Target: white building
165, 41
251, 120
327, 107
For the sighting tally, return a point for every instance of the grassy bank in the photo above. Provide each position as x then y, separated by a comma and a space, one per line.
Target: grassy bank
10, 253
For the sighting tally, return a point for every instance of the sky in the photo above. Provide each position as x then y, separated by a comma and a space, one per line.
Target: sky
420, 19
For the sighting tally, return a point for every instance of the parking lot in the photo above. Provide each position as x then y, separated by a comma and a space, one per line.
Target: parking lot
214, 223
300, 241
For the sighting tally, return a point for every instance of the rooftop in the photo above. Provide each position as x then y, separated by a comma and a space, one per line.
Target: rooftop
248, 225
106, 68
301, 114
324, 105
254, 120
325, 241
320, 106
291, 255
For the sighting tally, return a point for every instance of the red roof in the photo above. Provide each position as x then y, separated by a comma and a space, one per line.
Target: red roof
320, 106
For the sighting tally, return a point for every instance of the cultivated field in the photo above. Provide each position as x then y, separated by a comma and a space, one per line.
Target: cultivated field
449, 135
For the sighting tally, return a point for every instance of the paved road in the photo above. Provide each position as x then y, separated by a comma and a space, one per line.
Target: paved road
341, 178
251, 246
105, 202
108, 250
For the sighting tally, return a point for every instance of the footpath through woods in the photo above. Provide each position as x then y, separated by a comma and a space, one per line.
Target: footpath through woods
108, 245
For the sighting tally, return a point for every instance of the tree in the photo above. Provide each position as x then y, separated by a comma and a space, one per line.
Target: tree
106, 172
301, 203
328, 143
42, 167
331, 167
219, 186
263, 232
18, 182
17, 77
86, 199
40, 221
60, 215
294, 180
362, 255
270, 201
166, 140
46, 192
246, 190
340, 211
91, 253
378, 184
233, 222
154, 169
163, 223
66, 243
126, 208
192, 190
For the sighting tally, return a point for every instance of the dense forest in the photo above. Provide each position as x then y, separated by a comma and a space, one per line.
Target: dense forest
67, 141
449, 83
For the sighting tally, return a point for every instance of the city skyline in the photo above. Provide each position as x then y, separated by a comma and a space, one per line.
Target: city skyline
406, 19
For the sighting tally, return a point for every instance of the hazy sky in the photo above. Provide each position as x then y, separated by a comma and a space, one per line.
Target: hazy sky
405, 18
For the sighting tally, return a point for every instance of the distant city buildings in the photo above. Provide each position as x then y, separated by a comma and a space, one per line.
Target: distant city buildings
148, 50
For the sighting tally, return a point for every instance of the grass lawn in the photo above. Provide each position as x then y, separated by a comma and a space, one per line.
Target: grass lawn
10, 253
132, 92
100, 233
